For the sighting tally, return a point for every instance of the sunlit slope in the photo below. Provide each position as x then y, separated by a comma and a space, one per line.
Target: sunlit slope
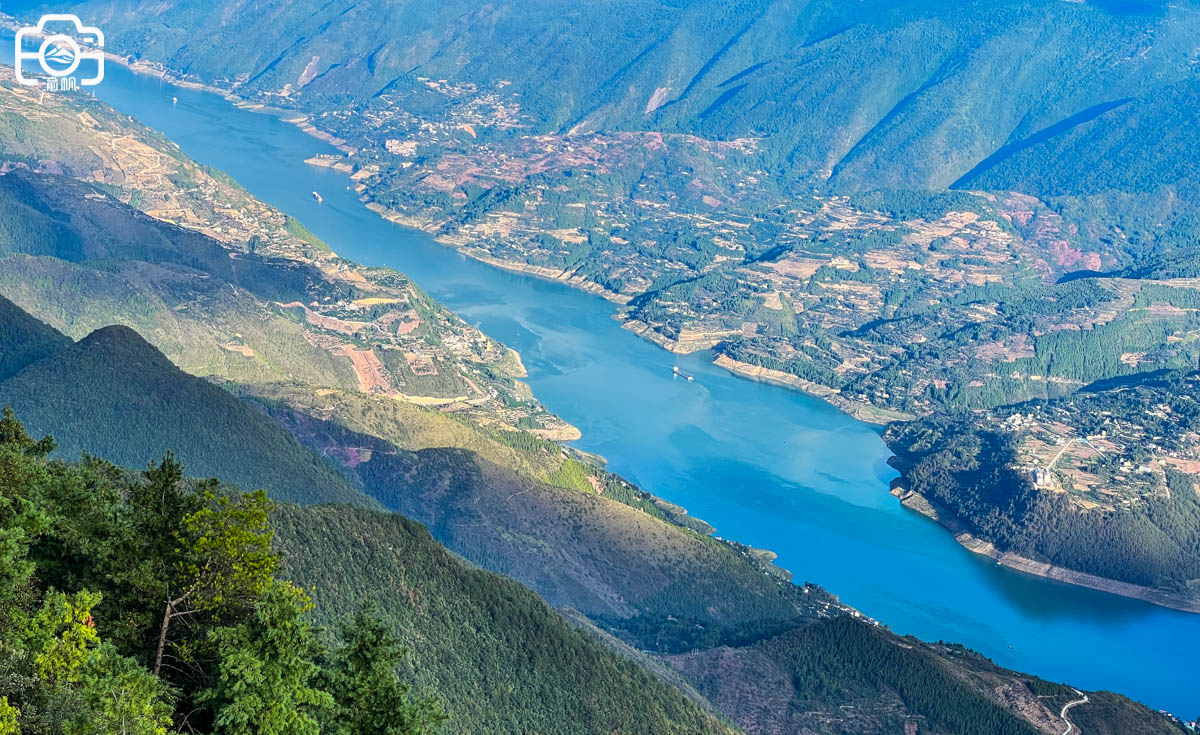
883, 93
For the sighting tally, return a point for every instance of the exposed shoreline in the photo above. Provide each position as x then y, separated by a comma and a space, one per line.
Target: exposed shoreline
918, 503
861, 411
864, 412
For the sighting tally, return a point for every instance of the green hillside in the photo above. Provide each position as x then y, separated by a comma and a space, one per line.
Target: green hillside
25, 340
1117, 501
883, 94
501, 660
936, 689
82, 597
614, 554
115, 395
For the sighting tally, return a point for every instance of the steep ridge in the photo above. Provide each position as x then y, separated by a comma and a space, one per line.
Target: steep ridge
501, 659
25, 340
843, 71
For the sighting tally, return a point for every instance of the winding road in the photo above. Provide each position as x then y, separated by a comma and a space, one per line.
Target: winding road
1063, 714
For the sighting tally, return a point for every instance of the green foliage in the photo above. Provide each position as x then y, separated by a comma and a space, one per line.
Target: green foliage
9, 718
298, 230
230, 558
13, 435
268, 675
119, 696
572, 475
94, 551
368, 695
63, 637
907, 205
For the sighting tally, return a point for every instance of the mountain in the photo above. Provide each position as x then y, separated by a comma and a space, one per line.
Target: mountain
783, 182
613, 553
25, 339
122, 398
484, 649
889, 683
910, 210
103, 221
498, 656
878, 94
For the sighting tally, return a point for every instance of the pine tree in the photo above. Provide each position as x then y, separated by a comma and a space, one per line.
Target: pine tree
370, 696
268, 673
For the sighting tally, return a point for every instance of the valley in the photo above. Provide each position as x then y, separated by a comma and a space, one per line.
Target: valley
889, 305
1006, 283
576, 343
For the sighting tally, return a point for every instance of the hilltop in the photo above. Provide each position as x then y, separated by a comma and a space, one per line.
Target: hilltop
123, 399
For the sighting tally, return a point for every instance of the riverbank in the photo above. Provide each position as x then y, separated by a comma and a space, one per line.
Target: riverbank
864, 412
918, 503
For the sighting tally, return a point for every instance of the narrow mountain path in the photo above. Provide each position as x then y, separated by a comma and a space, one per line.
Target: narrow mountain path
1070, 727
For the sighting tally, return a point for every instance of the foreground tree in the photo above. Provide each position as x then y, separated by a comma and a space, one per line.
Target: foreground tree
369, 694
227, 562
84, 685
268, 673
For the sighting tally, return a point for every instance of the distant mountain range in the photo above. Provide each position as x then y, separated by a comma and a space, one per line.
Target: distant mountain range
1042, 96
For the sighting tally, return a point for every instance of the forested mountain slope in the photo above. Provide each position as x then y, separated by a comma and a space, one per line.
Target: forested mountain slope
102, 548
885, 93
497, 655
25, 339
938, 689
120, 397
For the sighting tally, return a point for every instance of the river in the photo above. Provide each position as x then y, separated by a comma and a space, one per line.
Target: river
766, 466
